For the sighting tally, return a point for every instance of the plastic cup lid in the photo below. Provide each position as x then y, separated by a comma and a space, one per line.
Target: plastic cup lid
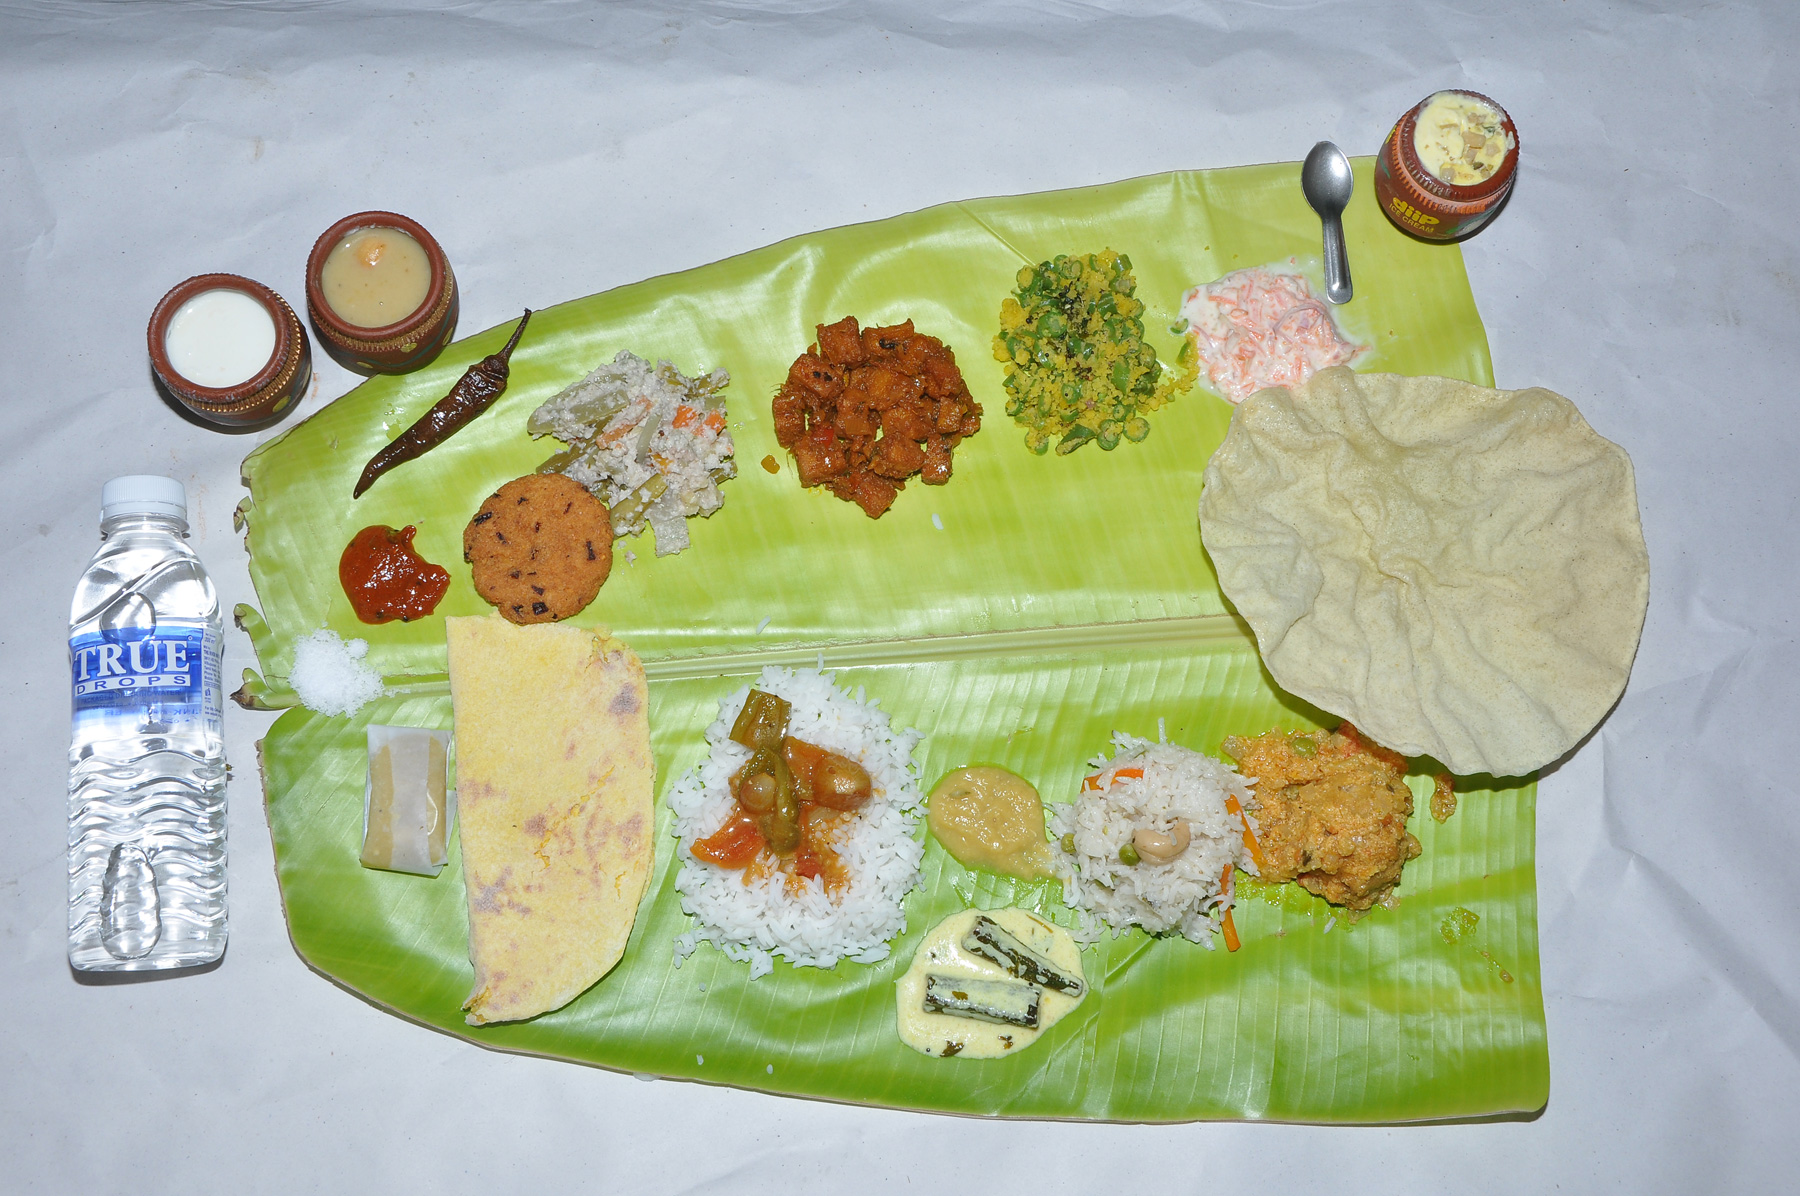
143, 494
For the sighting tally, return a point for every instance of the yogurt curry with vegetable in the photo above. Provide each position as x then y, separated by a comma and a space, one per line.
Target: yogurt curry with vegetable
984, 985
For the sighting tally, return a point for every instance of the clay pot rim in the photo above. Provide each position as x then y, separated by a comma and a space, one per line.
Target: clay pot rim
220, 400
321, 311
1415, 171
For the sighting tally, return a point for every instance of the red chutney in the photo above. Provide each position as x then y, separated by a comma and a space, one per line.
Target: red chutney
386, 580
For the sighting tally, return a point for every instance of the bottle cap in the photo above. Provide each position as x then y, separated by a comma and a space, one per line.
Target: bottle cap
143, 494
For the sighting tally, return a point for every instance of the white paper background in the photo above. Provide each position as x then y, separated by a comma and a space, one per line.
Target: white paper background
1646, 267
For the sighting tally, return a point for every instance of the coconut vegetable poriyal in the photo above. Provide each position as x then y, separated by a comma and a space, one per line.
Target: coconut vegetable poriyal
647, 441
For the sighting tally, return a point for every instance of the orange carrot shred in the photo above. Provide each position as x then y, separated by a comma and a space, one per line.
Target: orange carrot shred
1225, 923
1231, 803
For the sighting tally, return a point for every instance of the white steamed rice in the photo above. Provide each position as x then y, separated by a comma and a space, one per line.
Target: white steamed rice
1185, 894
752, 923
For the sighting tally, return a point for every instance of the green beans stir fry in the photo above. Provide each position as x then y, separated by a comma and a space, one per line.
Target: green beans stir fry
1077, 367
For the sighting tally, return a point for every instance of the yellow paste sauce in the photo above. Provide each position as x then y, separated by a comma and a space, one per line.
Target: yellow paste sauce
990, 818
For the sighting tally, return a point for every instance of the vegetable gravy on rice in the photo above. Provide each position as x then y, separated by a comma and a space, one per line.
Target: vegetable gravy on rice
848, 904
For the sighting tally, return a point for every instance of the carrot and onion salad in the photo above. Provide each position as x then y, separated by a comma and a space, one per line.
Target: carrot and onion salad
1262, 327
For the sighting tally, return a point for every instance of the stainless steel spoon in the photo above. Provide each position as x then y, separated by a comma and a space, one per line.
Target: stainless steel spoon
1326, 182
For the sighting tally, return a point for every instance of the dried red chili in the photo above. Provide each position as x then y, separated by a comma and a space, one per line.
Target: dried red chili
473, 393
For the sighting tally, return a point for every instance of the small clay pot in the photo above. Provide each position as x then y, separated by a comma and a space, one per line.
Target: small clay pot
263, 397
1424, 205
396, 348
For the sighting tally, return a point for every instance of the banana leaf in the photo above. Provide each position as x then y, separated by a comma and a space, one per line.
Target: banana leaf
1018, 616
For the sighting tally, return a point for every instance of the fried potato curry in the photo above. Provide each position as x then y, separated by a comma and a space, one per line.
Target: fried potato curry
1332, 812
864, 409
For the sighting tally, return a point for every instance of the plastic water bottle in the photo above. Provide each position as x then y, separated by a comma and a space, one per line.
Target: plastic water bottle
147, 749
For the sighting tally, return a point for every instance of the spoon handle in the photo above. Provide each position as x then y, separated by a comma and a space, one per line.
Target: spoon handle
1337, 261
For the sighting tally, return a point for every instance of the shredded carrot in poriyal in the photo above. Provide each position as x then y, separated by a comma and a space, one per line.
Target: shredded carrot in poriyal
686, 417
1225, 923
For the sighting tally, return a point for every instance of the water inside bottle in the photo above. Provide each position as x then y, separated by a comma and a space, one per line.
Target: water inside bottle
130, 910
130, 611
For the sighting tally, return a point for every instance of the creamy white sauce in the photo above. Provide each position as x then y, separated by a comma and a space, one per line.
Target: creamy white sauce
941, 953
220, 338
1459, 139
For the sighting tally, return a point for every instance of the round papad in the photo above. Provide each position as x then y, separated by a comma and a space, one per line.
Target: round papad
1458, 571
